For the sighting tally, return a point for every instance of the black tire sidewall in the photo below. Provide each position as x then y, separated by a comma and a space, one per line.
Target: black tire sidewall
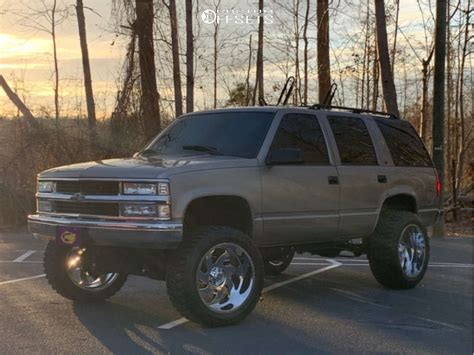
383, 249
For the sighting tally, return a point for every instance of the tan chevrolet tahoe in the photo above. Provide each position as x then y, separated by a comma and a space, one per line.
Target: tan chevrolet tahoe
221, 198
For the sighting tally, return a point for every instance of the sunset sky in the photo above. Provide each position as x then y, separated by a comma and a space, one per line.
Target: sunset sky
26, 54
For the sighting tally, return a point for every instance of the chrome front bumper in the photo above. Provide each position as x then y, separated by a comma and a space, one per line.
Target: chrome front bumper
158, 235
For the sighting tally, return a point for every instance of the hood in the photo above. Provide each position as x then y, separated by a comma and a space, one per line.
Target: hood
146, 167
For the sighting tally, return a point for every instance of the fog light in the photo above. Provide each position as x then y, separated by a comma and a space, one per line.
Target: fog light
45, 206
134, 210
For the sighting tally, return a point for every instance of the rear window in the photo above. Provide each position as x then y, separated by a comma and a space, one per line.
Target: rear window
405, 146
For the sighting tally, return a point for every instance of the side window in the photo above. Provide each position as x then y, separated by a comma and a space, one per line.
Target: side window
353, 141
405, 146
303, 132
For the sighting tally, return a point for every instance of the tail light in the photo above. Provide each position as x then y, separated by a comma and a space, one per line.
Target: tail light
438, 185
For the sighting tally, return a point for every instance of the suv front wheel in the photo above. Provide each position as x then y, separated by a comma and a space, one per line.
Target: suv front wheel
72, 274
399, 250
215, 277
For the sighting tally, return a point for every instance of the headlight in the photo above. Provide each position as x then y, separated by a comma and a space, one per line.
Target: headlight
132, 188
146, 210
46, 186
45, 206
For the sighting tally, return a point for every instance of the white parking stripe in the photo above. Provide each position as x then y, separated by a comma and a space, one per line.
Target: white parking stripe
173, 324
24, 256
333, 265
22, 279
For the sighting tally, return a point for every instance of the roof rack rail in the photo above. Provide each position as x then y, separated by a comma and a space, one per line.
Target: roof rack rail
353, 110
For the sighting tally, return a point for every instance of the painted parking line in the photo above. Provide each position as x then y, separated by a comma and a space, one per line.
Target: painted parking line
24, 256
22, 279
333, 264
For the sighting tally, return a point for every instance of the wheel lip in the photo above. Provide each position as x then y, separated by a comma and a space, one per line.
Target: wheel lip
110, 278
253, 285
424, 263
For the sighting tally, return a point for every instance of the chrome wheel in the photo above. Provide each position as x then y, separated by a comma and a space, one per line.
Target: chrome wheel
225, 277
412, 250
82, 277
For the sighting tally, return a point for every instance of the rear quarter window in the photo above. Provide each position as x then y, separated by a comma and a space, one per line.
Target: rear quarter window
405, 146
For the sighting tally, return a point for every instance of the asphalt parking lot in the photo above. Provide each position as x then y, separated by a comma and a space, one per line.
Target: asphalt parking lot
318, 306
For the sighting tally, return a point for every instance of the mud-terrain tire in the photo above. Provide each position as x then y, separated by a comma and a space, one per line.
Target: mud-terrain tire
388, 254
198, 260
55, 267
275, 266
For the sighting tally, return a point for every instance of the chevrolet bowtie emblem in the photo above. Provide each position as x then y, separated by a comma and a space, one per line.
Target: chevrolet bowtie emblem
77, 196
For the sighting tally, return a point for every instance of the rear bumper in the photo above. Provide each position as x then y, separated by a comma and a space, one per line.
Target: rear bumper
158, 235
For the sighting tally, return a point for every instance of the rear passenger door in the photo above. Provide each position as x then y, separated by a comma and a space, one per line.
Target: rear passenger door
362, 179
300, 202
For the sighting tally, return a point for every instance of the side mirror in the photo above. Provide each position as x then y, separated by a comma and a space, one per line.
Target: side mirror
285, 156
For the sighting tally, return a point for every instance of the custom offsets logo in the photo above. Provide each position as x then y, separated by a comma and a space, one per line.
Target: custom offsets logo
237, 17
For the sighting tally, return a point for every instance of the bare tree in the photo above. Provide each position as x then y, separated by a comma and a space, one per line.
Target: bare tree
45, 18
150, 107
81, 21
259, 73
189, 57
305, 53
388, 84
178, 96
247, 80
324, 66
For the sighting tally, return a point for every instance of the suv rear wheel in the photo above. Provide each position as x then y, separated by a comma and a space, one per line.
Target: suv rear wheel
215, 278
399, 250
70, 273
278, 262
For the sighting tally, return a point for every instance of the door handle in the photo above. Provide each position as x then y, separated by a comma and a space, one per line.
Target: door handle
333, 180
382, 179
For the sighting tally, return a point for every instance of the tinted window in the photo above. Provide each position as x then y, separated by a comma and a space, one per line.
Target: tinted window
303, 132
406, 147
238, 134
353, 141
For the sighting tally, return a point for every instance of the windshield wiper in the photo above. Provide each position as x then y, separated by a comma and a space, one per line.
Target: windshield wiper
149, 152
202, 148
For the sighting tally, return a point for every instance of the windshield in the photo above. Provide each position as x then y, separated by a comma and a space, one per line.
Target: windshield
239, 134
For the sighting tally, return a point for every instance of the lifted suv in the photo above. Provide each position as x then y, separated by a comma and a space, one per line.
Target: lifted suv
222, 197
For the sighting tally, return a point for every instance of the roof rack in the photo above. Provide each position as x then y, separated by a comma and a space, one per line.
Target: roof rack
353, 110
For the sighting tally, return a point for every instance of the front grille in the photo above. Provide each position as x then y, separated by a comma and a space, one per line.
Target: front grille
88, 208
88, 187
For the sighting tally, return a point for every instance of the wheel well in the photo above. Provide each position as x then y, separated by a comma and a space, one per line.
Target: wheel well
401, 202
232, 211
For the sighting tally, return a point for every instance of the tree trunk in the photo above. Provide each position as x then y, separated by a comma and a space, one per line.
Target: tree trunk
259, 74
189, 57
178, 97
216, 33
247, 81
55, 58
305, 54
424, 102
394, 49
81, 21
324, 67
388, 84
16, 100
150, 109
464, 53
